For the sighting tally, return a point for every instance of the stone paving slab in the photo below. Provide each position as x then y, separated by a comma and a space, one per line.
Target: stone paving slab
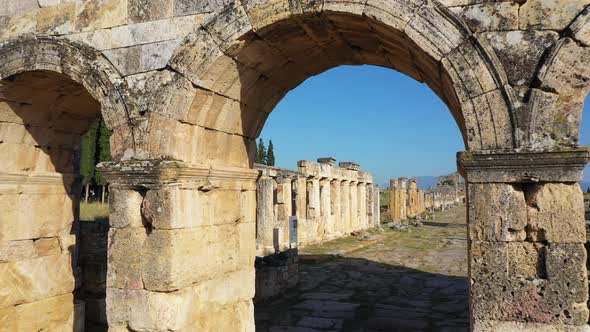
401, 282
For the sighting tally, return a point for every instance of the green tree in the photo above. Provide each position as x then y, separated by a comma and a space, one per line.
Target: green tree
588, 190
270, 155
261, 152
103, 153
88, 157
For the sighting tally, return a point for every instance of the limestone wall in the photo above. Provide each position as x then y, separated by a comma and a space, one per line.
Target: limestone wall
329, 201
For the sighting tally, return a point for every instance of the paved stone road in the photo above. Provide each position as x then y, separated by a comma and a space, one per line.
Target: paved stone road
413, 281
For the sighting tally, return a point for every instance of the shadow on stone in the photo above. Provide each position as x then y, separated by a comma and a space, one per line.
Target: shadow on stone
356, 294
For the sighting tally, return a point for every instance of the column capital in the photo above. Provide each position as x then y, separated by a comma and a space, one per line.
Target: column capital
520, 167
150, 173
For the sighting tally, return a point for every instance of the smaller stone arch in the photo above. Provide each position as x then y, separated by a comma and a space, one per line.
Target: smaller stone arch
560, 87
81, 64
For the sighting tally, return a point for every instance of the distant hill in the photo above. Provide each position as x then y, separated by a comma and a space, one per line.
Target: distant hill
584, 185
423, 182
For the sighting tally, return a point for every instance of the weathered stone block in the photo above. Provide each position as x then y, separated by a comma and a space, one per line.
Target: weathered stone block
125, 208
168, 258
47, 246
521, 51
144, 310
35, 279
53, 314
17, 250
496, 16
125, 257
34, 216
142, 11
497, 212
549, 14
556, 213
264, 13
142, 58
57, 20
101, 14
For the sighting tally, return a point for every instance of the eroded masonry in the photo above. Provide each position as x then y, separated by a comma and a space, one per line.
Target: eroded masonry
186, 87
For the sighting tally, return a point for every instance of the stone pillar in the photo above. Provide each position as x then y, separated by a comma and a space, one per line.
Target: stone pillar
353, 205
369, 202
362, 199
345, 194
301, 191
313, 199
403, 198
413, 198
394, 209
265, 220
284, 209
335, 206
377, 206
325, 211
182, 244
526, 241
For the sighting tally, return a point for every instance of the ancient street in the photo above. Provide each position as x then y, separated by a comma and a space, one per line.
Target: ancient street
389, 280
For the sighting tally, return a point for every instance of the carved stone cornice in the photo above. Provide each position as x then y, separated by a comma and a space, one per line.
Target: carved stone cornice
39, 183
520, 167
165, 172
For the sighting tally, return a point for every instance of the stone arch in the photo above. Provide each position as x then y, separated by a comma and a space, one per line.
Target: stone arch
51, 91
81, 64
237, 66
560, 87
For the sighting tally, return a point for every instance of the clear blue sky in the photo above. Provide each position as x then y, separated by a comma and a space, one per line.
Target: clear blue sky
389, 123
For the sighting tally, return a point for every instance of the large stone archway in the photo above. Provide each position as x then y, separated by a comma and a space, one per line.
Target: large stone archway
51, 92
189, 86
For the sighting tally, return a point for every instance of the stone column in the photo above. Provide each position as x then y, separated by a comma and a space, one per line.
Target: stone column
301, 206
353, 206
284, 209
325, 211
370, 194
526, 241
362, 200
313, 199
335, 202
403, 198
377, 206
265, 219
345, 194
394, 210
413, 198
181, 245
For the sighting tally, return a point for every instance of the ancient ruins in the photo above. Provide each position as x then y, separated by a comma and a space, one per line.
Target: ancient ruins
329, 201
186, 87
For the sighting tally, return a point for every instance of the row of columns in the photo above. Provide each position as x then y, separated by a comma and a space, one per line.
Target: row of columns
328, 201
405, 203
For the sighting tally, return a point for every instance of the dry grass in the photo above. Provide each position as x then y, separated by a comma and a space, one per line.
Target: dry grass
93, 211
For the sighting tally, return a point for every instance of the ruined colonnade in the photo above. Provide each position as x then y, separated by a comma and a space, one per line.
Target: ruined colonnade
329, 202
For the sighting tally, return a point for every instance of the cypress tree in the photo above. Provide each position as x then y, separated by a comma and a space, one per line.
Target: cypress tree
88, 157
270, 156
261, 152
103, 153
